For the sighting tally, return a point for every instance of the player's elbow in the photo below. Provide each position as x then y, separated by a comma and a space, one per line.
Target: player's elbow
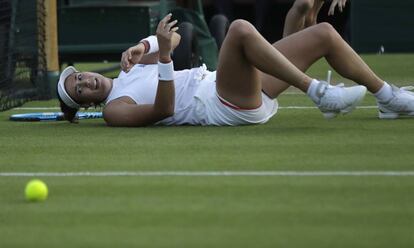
169, 113
166, 111
116, 117
164, 107
118, 121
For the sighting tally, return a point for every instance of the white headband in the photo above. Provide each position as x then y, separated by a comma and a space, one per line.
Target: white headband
61, 87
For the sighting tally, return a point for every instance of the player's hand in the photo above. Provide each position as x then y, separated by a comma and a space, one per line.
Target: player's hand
132, 56
165, 32
339, 3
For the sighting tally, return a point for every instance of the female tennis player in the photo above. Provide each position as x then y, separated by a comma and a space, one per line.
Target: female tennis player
304, 13
251, 74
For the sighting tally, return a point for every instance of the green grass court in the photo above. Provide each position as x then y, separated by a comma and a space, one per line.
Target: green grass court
130, 210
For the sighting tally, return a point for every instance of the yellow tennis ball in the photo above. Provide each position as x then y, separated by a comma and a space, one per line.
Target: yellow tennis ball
36, 190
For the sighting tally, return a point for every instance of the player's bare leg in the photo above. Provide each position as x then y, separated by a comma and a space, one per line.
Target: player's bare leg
321, 41
244, 52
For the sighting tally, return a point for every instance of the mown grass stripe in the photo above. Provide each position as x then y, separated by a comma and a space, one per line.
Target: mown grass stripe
210, 173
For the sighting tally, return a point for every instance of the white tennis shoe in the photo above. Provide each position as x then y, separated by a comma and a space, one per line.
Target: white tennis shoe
334, 100
401, 104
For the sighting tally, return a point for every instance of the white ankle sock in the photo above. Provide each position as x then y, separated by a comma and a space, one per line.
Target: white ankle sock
312, 90
385, 93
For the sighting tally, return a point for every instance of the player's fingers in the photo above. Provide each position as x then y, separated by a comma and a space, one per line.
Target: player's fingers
169, 26
123, 59
128, 54
125, 68
128, 58
164, 21
174, 29
124, 62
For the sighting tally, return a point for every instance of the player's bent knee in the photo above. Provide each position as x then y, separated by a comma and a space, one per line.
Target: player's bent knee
240, 28
326, 27
326, 31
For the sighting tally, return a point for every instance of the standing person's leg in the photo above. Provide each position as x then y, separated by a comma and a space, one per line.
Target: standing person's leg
243, 53
295, 18
312, 17
322, 40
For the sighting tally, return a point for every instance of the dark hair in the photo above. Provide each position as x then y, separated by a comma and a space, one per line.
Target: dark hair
68, 113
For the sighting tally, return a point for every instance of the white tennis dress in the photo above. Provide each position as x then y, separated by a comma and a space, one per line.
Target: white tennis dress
196, 99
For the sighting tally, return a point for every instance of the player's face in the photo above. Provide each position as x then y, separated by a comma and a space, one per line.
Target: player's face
88, 88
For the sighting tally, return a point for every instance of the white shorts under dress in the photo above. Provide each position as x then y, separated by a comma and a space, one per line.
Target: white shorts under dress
211, 109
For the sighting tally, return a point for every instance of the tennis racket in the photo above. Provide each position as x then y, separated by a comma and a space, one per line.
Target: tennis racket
53, 116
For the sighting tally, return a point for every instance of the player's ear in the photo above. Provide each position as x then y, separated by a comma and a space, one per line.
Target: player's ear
68, 112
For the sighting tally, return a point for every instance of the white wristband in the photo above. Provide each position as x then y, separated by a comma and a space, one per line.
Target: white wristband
166, 71
153, 44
